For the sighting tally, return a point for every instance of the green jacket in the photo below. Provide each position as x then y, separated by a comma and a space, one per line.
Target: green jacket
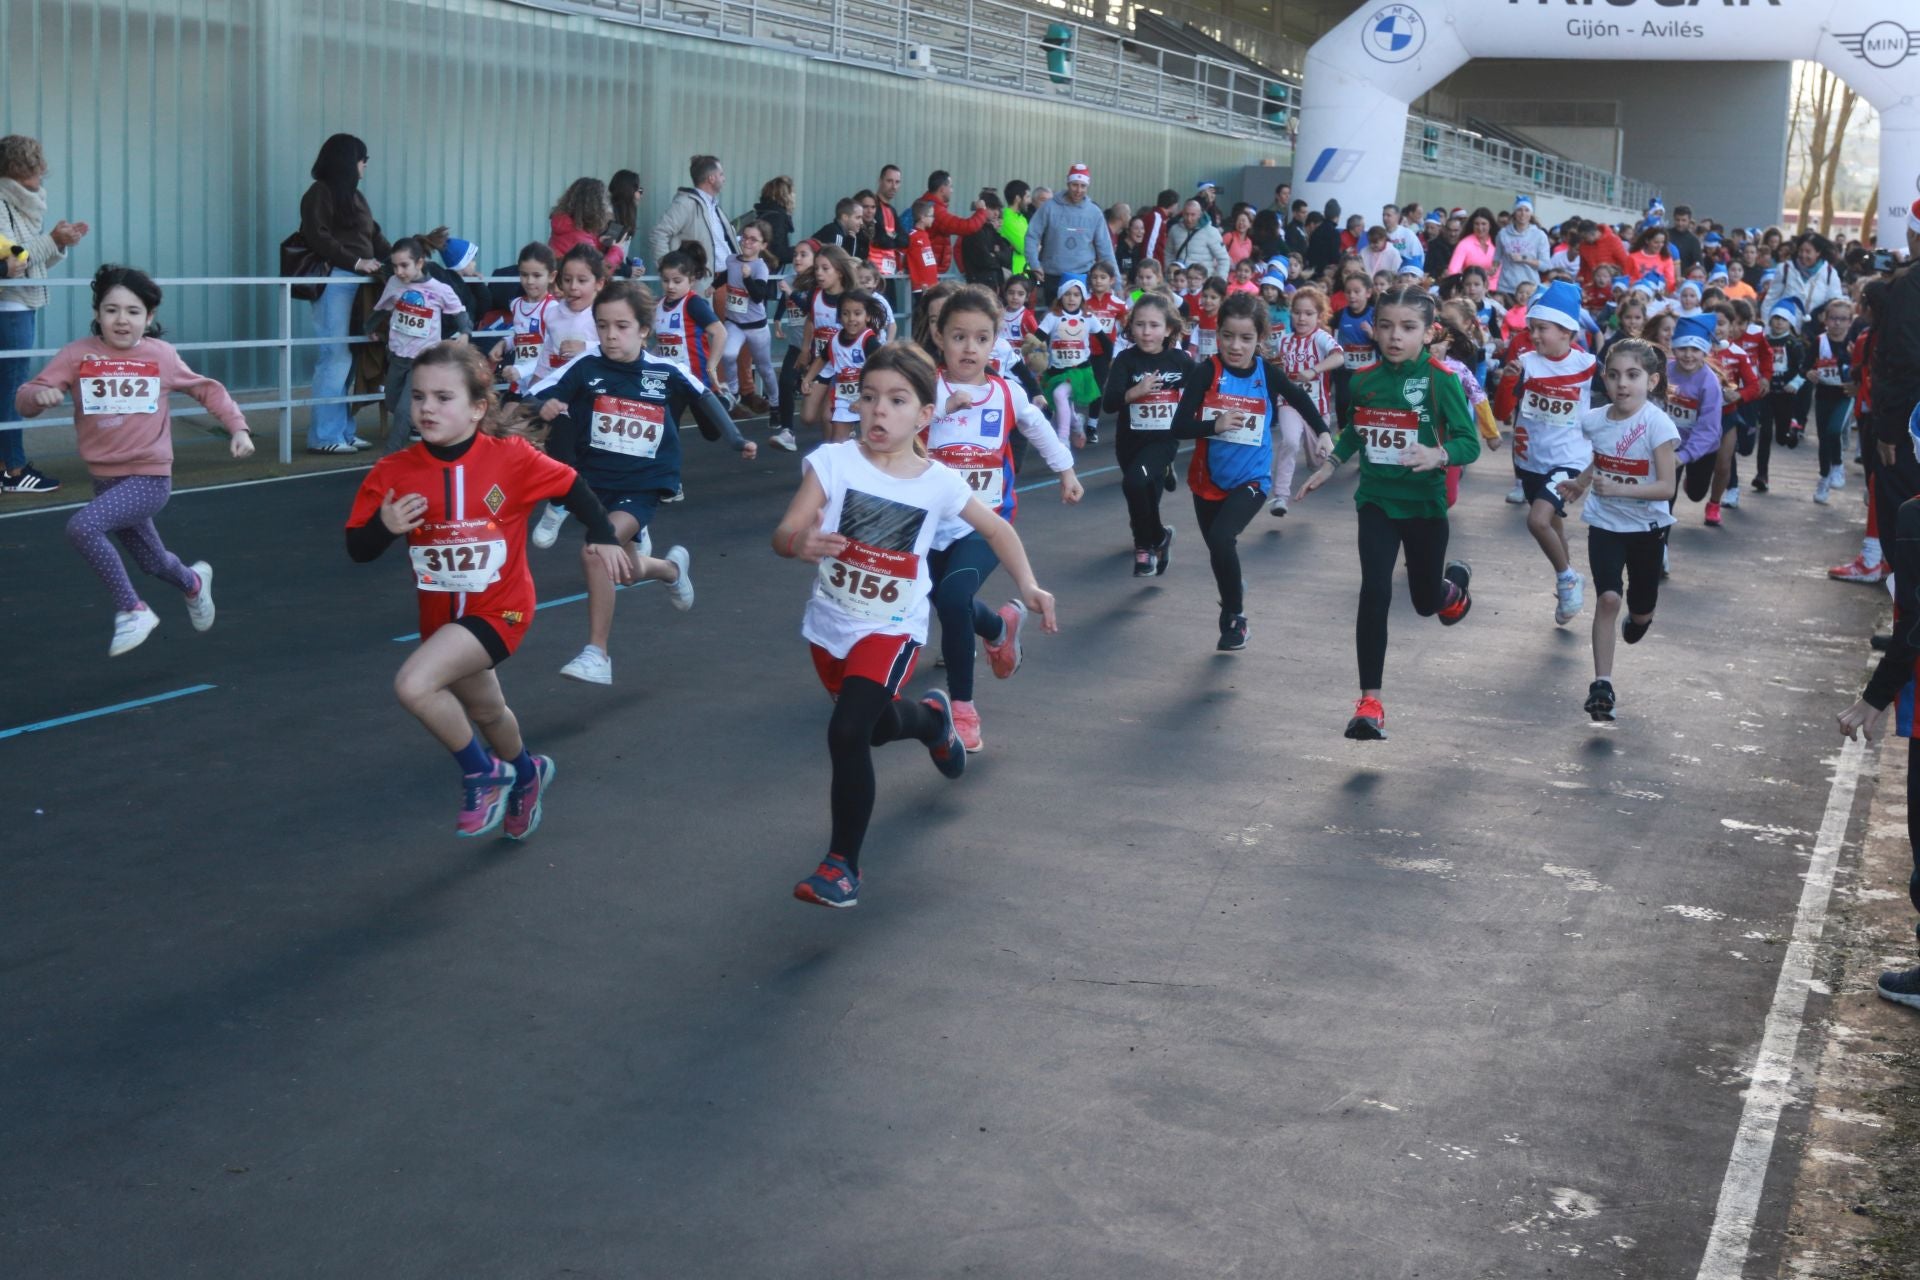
1418, 396
1013, 229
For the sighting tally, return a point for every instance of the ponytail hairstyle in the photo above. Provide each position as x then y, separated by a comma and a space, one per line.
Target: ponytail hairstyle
922, 326
475, 372
136, 282
637, 297
1414, 299
1648, 357
970, 300
1168, 312
690, 260
842, 264
913, 364
412, 246
1245, 306
1455, 341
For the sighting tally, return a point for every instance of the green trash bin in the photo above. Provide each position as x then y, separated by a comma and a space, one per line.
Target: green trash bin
1276, 103
1058, 43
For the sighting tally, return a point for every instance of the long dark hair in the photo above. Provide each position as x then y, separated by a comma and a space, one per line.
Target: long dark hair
338, 167
624, 192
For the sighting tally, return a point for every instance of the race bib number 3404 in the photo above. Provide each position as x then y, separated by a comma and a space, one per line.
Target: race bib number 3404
116, 388
630, 427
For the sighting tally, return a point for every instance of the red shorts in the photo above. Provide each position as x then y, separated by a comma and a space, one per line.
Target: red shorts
887, 660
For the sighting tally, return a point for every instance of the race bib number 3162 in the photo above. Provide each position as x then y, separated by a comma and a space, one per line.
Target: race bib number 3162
871, 583
116, 388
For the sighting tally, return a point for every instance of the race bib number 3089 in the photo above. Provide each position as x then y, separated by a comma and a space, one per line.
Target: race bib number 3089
116, 388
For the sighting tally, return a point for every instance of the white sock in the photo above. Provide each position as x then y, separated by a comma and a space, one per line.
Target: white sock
1870, 554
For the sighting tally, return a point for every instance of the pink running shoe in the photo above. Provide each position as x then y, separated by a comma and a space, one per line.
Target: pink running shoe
1855, 570
1005, 656
523, 802
484, 806
966, 723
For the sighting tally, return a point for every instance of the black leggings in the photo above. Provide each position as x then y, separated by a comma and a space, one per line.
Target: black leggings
1144, 460
866, 716
1381, 540
1626, 564
958, 574
1913, 816
790, 372
1221, 520
1830, 405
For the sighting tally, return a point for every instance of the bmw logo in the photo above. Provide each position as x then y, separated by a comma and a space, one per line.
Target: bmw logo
1395, 33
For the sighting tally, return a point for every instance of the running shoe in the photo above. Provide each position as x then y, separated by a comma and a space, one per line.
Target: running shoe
1278, 507
1902, 986
1571, 594
1169, 481
1517, 495
680, 590
1796, 432
1838, 476
832, 884
1369, 723
1600, 700
1821, 488
1163, 554
547, 531
200, 604
678, 495
966, 723
1233, 633
1731, 498
1460, 574
782, 439
1759, 484
1143, 564
1856, 570
360, 445
1633, 632
1713, 514
643, 545
337, 446
525, 798
1093, 432
591, 667
1666, 561
130, 630
1004, 655
30, 480
483, 806
948, 752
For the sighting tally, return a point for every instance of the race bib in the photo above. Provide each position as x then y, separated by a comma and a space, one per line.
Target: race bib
1684, 410
459, 555
1827, 374
1388, 435
670, 346
526, 347
630, 427
1218, 402
871, 583
1623, 470
739, 305
821, 337
1206, 341
1360, 357
1549, 407
1153, 412
885, 261
116, 388
1068, 353
846, 387
980, 468
414, 324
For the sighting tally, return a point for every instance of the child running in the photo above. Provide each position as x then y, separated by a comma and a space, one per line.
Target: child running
1309, 355
1144, 388
1070, 384
1228, 406
527, 315
1553, 383
685, 329
622, 426
417, 302
1627, 489
569, 335
832, 277
120, 378
460, 498
852, 344
1409, 420
867, 513
972, 432
750, 288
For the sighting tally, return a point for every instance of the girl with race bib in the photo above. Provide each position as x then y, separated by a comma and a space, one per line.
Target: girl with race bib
1228, 406
460, 499
120, 378
622, 411
796, 290
1144, 388
851, 345
750, 289
1069, 384
685, 329
972, 432
1106, 315
867, 513
417, 302
527, 316
1309, 356
1205, 315
1409, 421
832, 277
568, 335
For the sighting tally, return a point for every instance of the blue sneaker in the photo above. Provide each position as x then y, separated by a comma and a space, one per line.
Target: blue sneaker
949, 753
524, 801
832, 884
483, 805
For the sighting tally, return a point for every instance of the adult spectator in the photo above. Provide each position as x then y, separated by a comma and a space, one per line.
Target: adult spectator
23, 216
1268, 242
1013, 222
1208, 194
1195, 241
1282, 200
1159, 222
1649, 255
1117, 215
945, 225
583, 216
695, 216
1476, 249
1598, 243
985, 255
1686, 238
886, 233
1354, 234
338, 225
1323, 243
1295, 228
1405, 241
1132, 248
1809, 279
1442, 241
775, 208
1068, 235
1522, 248
844, 230
624, 191
1238, 240
1040, 196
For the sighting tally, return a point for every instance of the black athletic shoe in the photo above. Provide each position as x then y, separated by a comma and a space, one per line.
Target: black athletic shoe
1632, 631
1600, 700
1093, 433
1460, 574
1163, 554
30, 480
1143, 564
1880, 643
1233, 633
1902, 986
1169, 481
1759, 484
948, 752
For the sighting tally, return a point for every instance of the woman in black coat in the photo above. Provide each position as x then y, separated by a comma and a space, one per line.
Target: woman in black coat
775, 208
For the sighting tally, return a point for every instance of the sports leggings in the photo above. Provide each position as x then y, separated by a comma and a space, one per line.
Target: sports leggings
1221, 520
758, 342
1144, 462
125, 506
789, 384
1381, 539
958, 573
1290, 435
866, 716
1830, 408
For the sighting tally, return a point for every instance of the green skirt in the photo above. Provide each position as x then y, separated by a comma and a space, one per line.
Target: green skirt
1086, 390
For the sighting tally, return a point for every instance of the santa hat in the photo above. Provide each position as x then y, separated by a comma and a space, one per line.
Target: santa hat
1079, 173
1913, 218
1653, 283
1523, 202
1072, 281
1435, 217
459, 254
1208, 185
1788, 309
1655, 206
1558, 303
1458, 213
1697, 332
1719, 276
1278, 279
1413, 270
1689, 286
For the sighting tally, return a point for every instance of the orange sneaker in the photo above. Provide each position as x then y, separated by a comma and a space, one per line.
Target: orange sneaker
1004, 657
966, 723
1369, 723
1855, 570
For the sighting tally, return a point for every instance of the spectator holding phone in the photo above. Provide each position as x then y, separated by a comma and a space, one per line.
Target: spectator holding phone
585, 216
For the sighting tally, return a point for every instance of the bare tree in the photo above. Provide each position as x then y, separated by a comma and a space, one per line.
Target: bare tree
1829, 179
1872, 214
1820, 141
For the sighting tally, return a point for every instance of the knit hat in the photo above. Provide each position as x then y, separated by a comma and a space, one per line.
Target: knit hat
1278, 279
1207, 185
1072, 281
1523, 202
1435, 217
459, 254
1695, 331
1079, 173
1558, 303
1653, 282
1414, 269
1689, 286
1789, 308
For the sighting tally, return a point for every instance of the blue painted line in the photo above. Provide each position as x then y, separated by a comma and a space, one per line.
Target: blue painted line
78, 716
1041, 484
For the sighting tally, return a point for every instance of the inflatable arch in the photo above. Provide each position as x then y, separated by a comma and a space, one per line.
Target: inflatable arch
1361, 75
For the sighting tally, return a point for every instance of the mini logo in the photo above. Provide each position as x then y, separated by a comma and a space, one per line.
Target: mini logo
494, 499
1882, 45
1394, 33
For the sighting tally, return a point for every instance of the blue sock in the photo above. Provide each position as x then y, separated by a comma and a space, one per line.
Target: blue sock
523, 767
474, 757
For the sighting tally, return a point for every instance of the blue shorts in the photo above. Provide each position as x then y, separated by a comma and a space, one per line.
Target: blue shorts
1545, 488
638, 505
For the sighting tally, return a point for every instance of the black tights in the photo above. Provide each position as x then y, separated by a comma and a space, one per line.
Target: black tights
1913, 816
866, 716
790, 372
1221, 520
1381, 539
1143, 473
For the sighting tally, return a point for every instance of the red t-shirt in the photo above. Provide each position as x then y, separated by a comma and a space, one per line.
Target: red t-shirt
469, 556
923, 269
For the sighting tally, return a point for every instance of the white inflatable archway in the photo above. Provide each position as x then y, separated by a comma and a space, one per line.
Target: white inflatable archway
1361, 75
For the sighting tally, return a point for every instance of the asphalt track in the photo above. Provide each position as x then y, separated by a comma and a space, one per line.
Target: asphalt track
1175, 982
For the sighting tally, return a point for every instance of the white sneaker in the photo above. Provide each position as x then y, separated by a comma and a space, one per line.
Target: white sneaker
1571, 594
359, 444
547, 531
782, 439
680, 590
200, 607
643, 545
130, 630
1666, 560
1278, 507
1731, 498
1821, 488
1838, 477
678, 495
591, 667
1517, 495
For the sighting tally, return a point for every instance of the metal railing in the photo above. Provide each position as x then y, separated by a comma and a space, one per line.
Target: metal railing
1448, 151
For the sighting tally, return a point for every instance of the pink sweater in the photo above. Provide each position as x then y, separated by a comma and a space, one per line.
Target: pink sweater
120, 403
1471, 253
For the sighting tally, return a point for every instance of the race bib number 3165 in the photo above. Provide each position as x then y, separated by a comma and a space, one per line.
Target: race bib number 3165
1389, 435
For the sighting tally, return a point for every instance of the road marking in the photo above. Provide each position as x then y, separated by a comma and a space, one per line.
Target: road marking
1771, 1087
78, 716
202, 488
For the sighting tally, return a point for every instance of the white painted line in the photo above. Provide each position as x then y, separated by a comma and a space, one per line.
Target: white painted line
1772, 1085
201, 488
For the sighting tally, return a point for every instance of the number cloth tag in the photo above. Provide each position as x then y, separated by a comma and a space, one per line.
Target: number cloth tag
116, 388
885, 261
1206, 341
980, 468
526, 347
1388, 434
415, 324
1684, 410
1218, 402
632, 427
1153, 412
871, 583
1623, 470
1551, 408
459, 555
1069, 353
1359, 358
738, 304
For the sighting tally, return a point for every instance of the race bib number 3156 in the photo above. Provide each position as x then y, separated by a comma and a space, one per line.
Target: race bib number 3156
116, 388
871, 583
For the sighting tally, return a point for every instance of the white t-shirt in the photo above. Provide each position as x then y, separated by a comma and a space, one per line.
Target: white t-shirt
972, 440
1623, 451
564, 324
879, 585
1553, 395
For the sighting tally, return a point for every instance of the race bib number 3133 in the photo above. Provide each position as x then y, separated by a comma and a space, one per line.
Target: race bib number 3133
116, 388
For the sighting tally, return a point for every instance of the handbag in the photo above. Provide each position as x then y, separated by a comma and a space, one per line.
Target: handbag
297, 258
